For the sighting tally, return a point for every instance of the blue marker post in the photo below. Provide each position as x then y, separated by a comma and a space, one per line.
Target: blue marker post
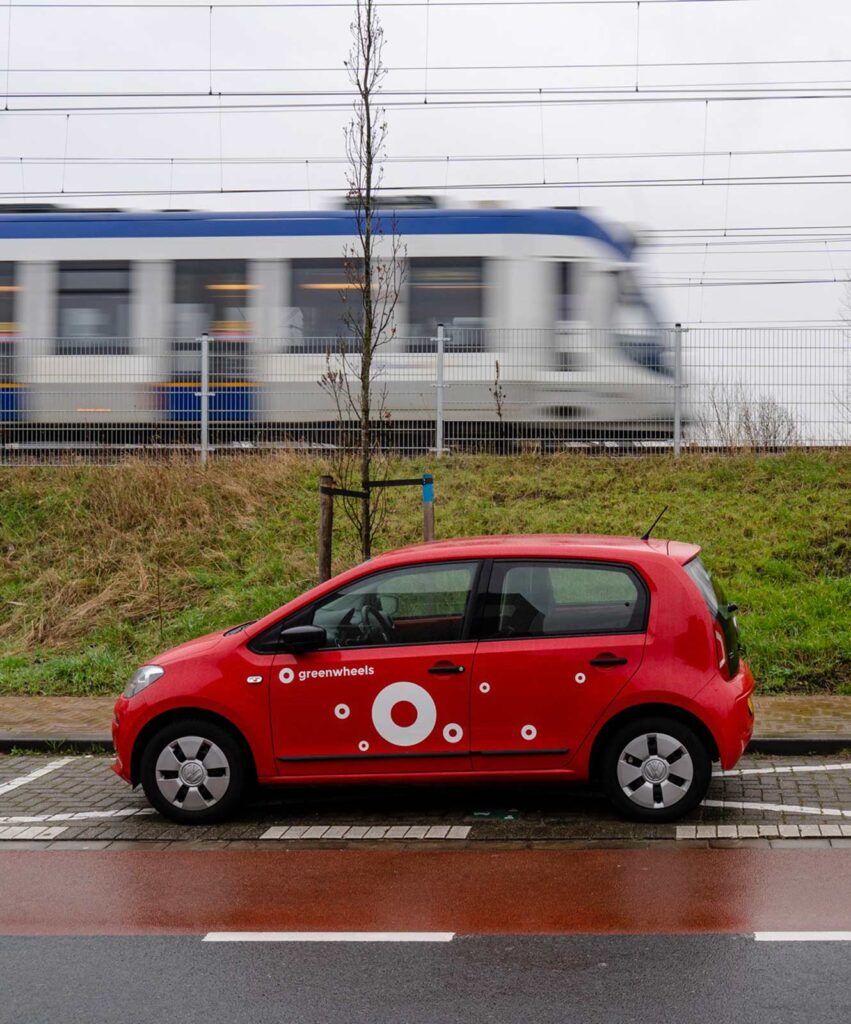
428, 507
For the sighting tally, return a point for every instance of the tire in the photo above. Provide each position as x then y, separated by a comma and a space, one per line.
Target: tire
171, 765
652, 748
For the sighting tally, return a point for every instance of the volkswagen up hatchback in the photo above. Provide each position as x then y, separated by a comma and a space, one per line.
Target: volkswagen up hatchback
577, 658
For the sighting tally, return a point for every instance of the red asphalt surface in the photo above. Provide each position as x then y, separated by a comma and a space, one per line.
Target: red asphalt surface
466, 891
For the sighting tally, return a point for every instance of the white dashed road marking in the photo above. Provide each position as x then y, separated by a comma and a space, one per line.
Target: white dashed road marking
367, 832
802, 936
22, 780
329, 937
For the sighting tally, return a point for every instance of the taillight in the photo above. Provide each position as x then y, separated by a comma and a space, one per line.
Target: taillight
720, 650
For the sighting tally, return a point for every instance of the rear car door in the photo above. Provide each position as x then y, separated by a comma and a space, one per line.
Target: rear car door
389, 691
557, 641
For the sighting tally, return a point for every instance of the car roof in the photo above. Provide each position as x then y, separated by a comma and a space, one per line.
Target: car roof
540, 545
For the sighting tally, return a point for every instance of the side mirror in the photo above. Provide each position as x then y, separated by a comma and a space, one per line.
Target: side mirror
299, 639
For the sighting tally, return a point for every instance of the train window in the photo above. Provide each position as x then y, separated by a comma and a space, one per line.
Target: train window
316, 321
637, 329
93, 309
212, 297
450, 291
564, 293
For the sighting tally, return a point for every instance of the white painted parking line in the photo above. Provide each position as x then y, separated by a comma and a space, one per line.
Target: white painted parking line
366, 832
329, 937
786, 769
753, 805
30, 832
28, 819
802, 936
37, 773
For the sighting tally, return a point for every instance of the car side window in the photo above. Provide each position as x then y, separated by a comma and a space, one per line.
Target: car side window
529, 599
412, 605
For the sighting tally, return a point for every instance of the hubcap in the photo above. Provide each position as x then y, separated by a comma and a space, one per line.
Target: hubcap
655, 770
192, 773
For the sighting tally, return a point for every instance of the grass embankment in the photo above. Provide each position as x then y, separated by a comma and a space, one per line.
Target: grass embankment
102, 567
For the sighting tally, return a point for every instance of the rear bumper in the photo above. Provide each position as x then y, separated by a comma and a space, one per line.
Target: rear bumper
734, 715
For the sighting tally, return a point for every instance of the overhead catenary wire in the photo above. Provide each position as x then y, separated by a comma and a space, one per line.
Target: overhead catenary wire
423, 158
342, 4
314, 106
401, 68
697, 182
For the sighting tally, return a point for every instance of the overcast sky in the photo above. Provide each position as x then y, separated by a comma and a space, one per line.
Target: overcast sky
153, 55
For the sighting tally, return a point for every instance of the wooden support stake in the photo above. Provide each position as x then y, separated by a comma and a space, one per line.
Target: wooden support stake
326, 526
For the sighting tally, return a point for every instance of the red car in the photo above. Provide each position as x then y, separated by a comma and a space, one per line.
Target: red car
582, 658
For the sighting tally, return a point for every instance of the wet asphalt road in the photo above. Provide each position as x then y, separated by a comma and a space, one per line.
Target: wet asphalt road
559, 979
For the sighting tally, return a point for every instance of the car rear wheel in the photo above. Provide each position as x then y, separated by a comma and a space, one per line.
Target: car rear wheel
656, 769
193, 771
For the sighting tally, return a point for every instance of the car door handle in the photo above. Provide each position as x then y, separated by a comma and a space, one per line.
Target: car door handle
607, 661
446, 668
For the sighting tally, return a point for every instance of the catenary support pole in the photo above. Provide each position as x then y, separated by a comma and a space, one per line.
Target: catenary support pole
326, 526
428, 507
678, 389
439, 386
205, 397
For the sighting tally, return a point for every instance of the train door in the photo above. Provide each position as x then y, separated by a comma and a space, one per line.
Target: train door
11, 386
211, 297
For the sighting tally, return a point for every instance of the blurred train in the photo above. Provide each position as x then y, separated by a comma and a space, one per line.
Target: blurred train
101, 311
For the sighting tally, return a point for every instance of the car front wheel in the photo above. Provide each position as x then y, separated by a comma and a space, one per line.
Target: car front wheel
656, 769
193, 771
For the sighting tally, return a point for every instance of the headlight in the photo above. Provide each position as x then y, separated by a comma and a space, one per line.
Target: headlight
143, 677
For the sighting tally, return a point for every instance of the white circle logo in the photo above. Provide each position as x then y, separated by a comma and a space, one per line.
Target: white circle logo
452, 733
363, 746
286, 675
580, 677
485, 687
528, 732
342, 711
403, 735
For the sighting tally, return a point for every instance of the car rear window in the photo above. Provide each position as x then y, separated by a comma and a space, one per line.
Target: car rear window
713, 592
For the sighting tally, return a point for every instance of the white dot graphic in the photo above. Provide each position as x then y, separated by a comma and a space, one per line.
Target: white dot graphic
452, 733
342, 711
363, 746
485, 687
286, 675
580, 677
404, 735
528, 732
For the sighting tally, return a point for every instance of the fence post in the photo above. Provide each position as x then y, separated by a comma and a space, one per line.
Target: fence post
438, 439
205, 396
326, 526
678, 389
428, 507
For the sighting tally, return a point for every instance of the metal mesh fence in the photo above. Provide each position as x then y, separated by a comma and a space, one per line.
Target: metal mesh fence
471, 389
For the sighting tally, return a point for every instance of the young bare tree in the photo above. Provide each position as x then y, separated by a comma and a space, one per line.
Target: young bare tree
374, 266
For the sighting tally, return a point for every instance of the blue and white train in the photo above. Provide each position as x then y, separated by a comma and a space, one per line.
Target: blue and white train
100, 313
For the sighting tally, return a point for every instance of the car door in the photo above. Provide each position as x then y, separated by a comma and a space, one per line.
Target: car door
389, 689
558, 640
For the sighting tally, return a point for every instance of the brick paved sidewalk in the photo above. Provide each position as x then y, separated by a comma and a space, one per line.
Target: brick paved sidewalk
87, 719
